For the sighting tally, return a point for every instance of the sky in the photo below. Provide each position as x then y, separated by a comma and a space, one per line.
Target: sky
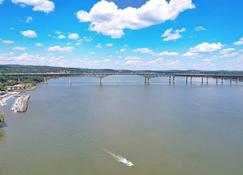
123, 34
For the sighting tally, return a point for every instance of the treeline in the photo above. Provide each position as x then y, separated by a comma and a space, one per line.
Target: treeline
45, 69
6, 81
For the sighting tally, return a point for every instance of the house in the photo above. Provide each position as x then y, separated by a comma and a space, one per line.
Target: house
19, 86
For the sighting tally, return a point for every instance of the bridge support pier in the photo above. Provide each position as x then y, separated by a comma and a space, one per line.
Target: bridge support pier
18, 79
170, 80
101, 80
202, 81
217, 80
222, 80
186, 80
237, 81
70, 81
173, 80
207, 80
45, 80
146, 80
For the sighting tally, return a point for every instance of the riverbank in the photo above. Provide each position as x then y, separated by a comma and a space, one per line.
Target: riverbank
7, 96
21, 103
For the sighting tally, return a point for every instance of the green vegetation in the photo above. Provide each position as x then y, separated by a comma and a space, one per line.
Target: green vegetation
45, 69
6, 81
1, 117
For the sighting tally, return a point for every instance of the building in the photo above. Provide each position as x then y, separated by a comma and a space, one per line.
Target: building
19, 86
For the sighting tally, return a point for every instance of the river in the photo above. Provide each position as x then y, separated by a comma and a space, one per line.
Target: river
162, 129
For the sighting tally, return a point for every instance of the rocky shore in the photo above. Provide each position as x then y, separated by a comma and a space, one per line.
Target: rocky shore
5, 97
21, 103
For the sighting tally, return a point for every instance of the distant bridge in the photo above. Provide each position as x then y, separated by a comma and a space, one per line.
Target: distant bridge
147, 76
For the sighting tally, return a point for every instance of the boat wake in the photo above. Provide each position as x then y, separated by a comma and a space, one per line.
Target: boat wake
119, 158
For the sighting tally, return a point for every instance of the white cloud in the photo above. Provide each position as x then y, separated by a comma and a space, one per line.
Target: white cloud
190, 54
123, 50
29, 33
143, 50
98, 46
239, 42
7, 41
229, 52
203, 48
133, 60
28, 19
208, 60
1, 1
39, 44
87, 39
38, 5
106, 18
61, 36
92, 53
60, 49
207, 47
200, 28
73, 36
19, 48
170, 35
109, 44
166, 53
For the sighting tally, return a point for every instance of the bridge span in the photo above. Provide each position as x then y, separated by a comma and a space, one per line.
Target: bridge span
219, 78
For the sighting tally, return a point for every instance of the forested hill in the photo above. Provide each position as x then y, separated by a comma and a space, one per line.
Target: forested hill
48, 69
44, 69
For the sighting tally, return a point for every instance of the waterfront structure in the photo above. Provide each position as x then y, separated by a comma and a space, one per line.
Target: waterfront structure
19, 87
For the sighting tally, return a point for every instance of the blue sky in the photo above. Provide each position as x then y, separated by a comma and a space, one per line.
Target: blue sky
152, 34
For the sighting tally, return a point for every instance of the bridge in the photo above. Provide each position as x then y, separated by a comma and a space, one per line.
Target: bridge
219, 78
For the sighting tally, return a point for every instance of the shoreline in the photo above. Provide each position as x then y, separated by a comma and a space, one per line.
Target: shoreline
10, 94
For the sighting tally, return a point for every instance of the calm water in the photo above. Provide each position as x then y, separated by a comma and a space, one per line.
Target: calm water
162, 129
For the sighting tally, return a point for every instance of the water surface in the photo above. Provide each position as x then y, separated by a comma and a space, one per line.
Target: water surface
163, 129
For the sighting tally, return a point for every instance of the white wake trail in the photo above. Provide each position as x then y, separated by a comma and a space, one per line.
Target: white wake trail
119, 158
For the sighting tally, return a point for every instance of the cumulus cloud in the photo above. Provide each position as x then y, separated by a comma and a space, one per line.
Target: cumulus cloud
7, 41
123, 50
239, 42
106, 18
19, 48
99, 46
200, 28
143, 50
38, 5
203, 48
61, 36
166, 53
73, 36
170, 35
39, 44
29, 33
60, 49
28, 19
109, 44
133, 60
229, 52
